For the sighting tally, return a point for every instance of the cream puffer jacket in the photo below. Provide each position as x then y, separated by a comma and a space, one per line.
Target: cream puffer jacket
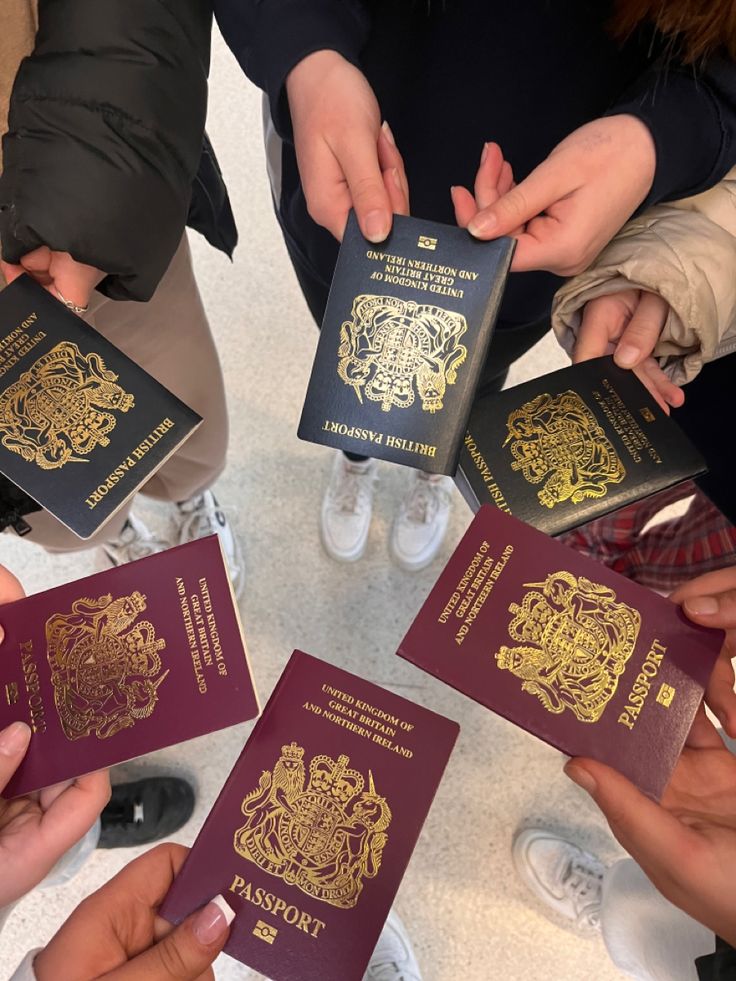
685, 251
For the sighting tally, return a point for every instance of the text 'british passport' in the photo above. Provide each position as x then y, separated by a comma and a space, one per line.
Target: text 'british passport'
563, 449
82, 427
581, 657
123, 663
313, 830
404, 337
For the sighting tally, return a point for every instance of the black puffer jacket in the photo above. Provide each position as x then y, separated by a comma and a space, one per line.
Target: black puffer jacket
105, 157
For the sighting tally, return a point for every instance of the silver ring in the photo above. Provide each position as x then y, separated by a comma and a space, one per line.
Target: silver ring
71, 306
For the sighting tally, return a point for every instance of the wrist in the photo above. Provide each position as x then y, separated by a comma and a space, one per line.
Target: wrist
312, 70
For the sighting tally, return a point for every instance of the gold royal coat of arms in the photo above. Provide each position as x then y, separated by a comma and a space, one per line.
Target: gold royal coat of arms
393, 350
325, 835
61, 408
556, 438
105, 667
575, 640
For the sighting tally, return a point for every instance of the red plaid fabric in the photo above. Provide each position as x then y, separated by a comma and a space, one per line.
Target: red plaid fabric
669, 553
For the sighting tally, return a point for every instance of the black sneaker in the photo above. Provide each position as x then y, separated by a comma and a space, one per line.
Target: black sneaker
145, 811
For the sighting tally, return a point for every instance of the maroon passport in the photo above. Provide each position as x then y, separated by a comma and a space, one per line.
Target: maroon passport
122, 663
311, 835
581, 657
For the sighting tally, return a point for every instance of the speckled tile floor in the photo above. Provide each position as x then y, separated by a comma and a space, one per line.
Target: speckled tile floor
468, 916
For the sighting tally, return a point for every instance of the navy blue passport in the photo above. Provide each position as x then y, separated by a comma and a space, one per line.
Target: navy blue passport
82, 427
571, 446
404, 338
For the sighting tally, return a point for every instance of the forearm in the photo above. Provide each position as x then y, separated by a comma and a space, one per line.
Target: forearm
270, 37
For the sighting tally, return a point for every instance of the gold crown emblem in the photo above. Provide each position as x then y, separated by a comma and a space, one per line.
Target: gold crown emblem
292, 753
334, 779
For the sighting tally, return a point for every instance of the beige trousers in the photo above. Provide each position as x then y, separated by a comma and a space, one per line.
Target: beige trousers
170, 337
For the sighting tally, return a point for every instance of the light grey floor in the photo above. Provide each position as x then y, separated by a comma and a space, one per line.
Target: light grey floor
468, 915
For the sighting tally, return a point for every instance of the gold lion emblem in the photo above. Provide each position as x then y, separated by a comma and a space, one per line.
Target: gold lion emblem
324, 837
557, 437
105, 667
61, 408
576, 641
393, 350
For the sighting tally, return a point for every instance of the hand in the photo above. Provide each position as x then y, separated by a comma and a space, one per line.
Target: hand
346, 158
59, 273
686, 844
627, 325
117, 934
576, 200
494, 179
36, 830
710, 600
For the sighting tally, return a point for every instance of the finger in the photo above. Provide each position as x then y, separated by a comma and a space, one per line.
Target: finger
640, 337
10, 590
395, 190
325, 189
358, 157
14, 741
10, 271
389, 156
602, 322
709, 584
720, 696
667, 394
549, 182
703, 734
649, 833
37, 263
712, 610
464, 204
506, 178
72, 280
186, 952
489, 173
72, 812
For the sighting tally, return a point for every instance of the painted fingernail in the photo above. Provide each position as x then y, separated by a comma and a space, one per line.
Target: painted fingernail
388, 134
484, 154
213, 921
376, 226
15, 739
626, 356
482, 225
703, 606
581, 777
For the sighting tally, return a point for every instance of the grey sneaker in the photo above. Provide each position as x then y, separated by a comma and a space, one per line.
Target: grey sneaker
201, 516
135, 541
564, 876
393, 959
347, 508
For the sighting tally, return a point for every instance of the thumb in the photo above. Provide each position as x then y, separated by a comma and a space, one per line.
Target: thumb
14, 740
186, 952
545, 185
648, 832
715, 610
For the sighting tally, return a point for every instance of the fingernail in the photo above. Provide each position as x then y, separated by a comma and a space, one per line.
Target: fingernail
213, 921
484, 225
14, 740
626, 356
701, 605
396, 179
484, 155
581, 777
376, 226
387, 131
2, 635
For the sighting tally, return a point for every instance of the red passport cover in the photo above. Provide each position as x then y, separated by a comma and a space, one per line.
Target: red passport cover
311, 835
574, 653
123, 663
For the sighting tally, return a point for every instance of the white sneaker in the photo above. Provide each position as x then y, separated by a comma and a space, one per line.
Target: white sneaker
419, 527
347, 508
135, 541
561, 874
393, 959
201, 516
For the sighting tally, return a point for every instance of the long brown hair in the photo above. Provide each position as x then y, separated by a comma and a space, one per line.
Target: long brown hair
700, 26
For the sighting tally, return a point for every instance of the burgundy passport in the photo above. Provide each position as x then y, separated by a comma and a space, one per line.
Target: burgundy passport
581, 657
124, 662
311, 835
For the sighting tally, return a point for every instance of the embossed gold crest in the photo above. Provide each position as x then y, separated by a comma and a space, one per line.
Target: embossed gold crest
556, 438
394, 350
61, 408
575, 639
105, 665
324, 835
